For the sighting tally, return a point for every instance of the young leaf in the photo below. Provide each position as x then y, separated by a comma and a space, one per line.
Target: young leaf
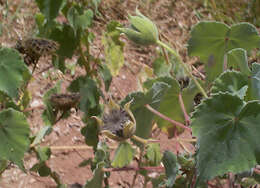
67, 39
233, 82
43, 153
90, 94
90, 132
49, 115
79, 21
237, 59
142, 115
50, 8
153, 154
14, 133
227, 131
211, 40
106, 76
171, 168
41, 134
13, 72
113, 48
97, 180
255, 81
124, 155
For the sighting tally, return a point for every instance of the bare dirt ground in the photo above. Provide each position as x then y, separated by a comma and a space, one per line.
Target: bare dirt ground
174, 20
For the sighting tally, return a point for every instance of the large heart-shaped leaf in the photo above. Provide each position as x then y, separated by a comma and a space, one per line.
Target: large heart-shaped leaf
227, 131
211, 40
13, 72
14, 133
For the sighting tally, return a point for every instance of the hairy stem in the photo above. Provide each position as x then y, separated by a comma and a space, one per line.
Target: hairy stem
184, 66
175, 123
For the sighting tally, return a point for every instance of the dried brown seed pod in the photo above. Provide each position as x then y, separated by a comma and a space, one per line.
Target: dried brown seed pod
34, 48
65, 101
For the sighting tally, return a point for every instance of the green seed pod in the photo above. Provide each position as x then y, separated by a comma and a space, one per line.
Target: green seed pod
117, 123
142, 30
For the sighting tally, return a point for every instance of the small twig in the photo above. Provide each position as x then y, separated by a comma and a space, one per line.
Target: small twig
33, 108
175, 123
197, 71
82, 147
130, 168
186, 116
186, 140
45, 69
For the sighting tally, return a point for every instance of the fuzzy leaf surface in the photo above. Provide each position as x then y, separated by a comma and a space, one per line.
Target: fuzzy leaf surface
211, 40
13, 72
14, 133
227, 131
237, 59
233, 82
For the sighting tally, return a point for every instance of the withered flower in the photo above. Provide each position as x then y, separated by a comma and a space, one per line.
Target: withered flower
64, 101
117, 123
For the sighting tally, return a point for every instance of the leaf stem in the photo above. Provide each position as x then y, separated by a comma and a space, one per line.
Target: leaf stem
186, 116
175, 123
184, 66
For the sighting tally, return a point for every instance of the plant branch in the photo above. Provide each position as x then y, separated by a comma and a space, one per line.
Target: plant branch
186, 116
175, 123
184, 66
139, 166
131, 168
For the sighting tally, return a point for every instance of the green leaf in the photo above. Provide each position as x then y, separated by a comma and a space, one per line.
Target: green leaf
142, 115
67, 39
50, 8
106, 76
97, 180
171, 98
113, 48
14, 133
90, 132
44, 170
153, 154
171, 168
90, 94
78, 21
13, 72
161, 68
43, 153
237, 59
233, 82
124, 155
49, 115
255, 81
41, 134
211, 40
227, 131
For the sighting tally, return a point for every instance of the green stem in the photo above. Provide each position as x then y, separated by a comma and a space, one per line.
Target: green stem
184, 66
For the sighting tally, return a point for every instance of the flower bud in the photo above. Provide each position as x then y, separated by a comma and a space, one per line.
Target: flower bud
117, 123
142, 30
